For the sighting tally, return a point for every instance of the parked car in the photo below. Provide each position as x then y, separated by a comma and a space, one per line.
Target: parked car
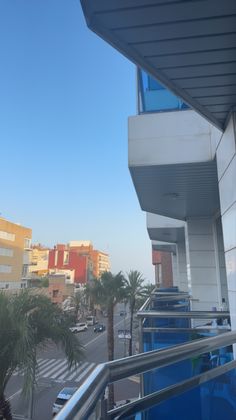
81, 326
91, 320
123, 313
64, 395
99, 328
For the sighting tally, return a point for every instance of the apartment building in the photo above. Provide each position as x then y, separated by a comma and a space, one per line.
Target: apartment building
76, 267
39, 256
15, 242
100, 260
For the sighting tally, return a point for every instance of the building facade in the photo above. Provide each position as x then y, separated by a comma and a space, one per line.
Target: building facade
162, 262
182, 142
39, 256
15, 242
99, 260
63, 259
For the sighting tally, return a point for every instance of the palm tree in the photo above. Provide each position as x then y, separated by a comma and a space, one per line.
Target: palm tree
29, 322
134, 290
107, 292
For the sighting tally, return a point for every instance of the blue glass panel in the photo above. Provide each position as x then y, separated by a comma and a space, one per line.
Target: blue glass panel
155, 97
213, 400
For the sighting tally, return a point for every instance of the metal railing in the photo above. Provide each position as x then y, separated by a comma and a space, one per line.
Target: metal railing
83, 403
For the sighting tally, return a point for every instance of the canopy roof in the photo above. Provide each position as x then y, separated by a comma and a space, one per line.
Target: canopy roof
188, 45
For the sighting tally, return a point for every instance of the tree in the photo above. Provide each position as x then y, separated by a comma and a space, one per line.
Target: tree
107, 292
134, 290
28, 322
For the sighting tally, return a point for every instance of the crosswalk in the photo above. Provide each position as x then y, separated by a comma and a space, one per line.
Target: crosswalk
58, 371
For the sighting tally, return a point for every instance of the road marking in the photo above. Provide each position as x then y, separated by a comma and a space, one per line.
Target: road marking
44, 364
90, 367
101, 334
77, 371
57, 369
13, 395
62, 369
47, 374
45, 368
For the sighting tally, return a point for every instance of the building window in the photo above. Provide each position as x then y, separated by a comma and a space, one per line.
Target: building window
6, 235
6, 286
56, 258
66, 257
5, 268
6, 252
27, 243
24, 270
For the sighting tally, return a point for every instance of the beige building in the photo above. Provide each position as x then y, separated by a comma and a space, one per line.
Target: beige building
39, 260
15, 242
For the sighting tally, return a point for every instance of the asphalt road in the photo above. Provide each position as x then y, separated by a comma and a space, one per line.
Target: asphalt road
54, 374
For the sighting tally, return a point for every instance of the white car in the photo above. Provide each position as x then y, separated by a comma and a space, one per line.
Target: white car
81, 326
64, 395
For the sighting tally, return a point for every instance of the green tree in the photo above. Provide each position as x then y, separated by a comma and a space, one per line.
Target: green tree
134, 290
29, 322
107, 292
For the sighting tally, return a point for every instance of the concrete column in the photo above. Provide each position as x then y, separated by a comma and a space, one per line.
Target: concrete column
226, 167
203, 271
182, 266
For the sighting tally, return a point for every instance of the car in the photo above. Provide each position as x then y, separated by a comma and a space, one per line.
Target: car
99, 328
80, 326
64, 395
123, 313
91, 320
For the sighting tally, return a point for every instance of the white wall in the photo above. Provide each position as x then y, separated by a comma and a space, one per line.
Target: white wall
226, 165
203, 269
171, 137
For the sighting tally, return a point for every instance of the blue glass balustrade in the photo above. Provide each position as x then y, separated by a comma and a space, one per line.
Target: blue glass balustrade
198, 401
153, 97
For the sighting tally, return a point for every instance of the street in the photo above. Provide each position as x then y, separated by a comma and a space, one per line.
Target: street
53, 373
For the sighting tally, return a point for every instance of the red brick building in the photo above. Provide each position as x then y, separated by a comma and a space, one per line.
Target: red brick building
63, 258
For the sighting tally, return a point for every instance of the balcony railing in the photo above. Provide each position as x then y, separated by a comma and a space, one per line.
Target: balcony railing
89, 403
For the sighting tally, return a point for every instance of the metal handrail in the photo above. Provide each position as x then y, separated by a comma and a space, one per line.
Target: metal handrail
150, 400
82, 403
191, 314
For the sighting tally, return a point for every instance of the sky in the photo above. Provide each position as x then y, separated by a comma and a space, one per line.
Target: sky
65, 97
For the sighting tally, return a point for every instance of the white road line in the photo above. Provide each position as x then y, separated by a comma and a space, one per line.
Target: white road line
44, 363
102, 334
63, 368
45, 368
13, 395
76, 372
47, 374
91, 367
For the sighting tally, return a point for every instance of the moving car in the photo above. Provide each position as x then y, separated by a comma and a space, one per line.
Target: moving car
81, 326
99, 328
123, 313
64, 395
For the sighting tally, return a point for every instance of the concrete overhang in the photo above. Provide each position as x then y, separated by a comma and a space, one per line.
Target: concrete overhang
171, 161
165, 229
189, 46
163, 247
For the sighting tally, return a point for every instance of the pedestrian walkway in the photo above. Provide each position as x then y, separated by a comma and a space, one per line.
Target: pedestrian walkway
58, 371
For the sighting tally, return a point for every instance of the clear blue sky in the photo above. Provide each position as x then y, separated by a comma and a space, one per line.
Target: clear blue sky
65, 96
